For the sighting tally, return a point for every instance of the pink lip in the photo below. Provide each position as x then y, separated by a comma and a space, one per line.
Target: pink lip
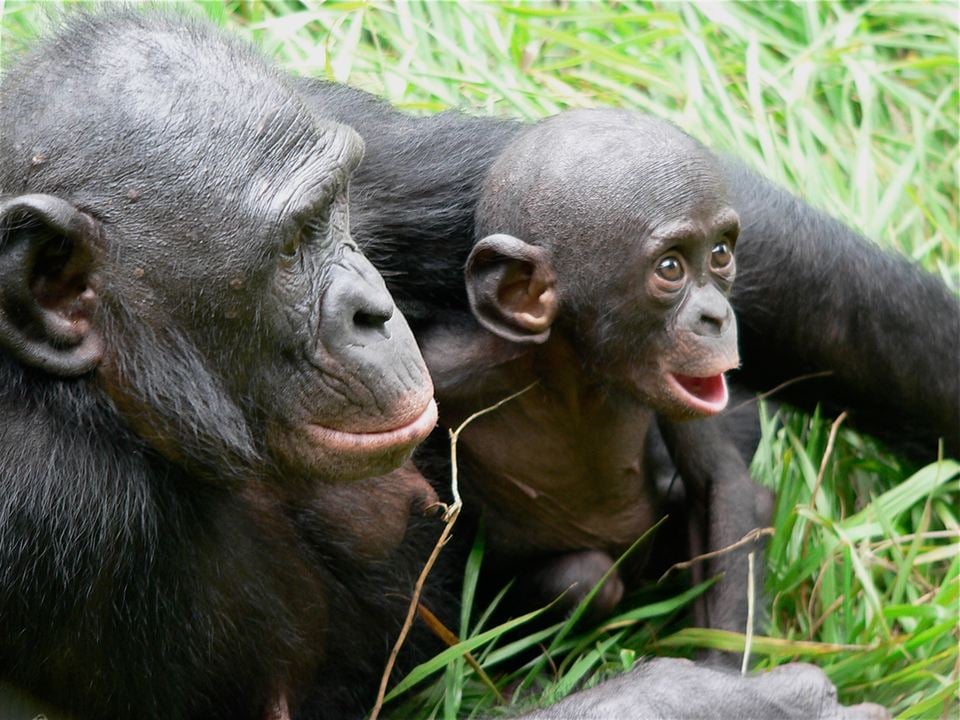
377, 442
705, 395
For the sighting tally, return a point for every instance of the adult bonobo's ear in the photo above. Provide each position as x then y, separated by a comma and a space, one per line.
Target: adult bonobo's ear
512, 288
46, 303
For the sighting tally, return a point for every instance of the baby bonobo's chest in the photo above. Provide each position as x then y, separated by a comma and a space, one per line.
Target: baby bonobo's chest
556, 471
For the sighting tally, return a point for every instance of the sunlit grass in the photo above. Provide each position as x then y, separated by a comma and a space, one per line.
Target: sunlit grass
854, 105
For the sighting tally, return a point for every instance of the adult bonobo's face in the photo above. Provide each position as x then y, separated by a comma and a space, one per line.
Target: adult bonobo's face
181, 239
613, 228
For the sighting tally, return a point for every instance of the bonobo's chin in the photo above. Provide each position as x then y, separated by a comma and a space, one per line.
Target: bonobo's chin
696, 395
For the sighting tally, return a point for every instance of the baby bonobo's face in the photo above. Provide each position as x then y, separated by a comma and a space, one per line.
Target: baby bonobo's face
635, 225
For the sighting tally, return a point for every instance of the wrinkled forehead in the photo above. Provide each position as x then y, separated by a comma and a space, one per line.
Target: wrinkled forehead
599, 172
634, 166
189, 115
195, 91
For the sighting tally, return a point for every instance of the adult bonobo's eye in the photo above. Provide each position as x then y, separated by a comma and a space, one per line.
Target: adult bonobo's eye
670, 268
291, 246
721, 255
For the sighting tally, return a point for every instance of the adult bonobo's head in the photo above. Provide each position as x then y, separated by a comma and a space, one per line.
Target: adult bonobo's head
174, 233
613, 227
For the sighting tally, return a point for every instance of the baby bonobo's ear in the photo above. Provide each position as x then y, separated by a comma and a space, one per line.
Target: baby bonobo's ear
512, 288
46, 303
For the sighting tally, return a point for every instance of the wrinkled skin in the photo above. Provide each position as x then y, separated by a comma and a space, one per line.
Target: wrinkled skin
196, 361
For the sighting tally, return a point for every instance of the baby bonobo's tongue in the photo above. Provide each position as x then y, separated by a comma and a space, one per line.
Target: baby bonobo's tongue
706, 394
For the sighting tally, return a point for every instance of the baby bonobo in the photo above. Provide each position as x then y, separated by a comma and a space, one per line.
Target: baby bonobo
604, 259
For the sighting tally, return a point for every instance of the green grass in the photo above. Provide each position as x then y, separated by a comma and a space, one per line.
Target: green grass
854, 105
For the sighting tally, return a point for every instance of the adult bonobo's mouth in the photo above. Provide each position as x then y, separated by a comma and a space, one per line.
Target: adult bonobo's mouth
704, 395
403, 437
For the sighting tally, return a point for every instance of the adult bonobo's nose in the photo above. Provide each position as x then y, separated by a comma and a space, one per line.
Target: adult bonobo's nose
357, 307
361, 327
375, 395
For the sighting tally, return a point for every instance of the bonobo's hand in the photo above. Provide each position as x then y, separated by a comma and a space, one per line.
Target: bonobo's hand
675, 689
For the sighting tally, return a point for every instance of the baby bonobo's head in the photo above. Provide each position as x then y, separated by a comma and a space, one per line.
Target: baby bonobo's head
614, 228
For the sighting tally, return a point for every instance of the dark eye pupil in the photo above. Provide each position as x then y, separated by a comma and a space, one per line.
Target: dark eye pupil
292, 245
670, 269
721, 254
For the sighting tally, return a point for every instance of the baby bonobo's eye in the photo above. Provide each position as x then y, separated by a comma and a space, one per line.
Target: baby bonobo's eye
670, 268
721, 255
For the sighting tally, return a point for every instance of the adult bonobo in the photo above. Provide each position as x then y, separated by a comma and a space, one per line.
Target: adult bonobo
191, 347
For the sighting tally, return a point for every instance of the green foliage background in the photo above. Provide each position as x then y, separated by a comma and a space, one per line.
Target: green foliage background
851, 104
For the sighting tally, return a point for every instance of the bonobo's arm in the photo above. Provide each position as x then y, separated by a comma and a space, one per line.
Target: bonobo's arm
712, 456
672, 688
812, 295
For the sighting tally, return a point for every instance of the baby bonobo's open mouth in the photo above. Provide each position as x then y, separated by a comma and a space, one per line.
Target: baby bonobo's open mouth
703, 395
